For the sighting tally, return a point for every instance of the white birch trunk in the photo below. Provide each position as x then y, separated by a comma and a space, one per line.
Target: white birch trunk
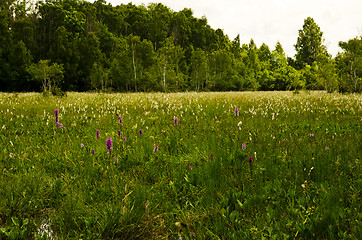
134, 67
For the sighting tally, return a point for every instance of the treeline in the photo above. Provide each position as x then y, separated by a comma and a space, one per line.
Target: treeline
74, 45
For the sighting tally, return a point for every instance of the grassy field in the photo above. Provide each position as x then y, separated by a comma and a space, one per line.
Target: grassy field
287, 167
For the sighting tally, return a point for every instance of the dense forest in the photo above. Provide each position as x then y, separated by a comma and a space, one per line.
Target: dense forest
75, 45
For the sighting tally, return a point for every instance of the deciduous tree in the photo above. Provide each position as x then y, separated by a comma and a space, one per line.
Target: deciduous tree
50, 76
349, 64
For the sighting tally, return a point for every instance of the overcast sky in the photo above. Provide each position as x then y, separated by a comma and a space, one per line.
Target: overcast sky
269, 21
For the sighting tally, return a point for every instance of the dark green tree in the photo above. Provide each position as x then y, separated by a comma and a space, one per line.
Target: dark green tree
99, 78
19, 61
223, 75
5, 43
90, 53
169, 58
199, 70
181, 27
264, 53
264, 76
22, 25
309, 74
279, 69
159, 24
309, 43
121, 70
278, 57
138, 21
236, 47
138, 48
326, 73
199, 33
287, 78
349, 65
253, 65
142, 57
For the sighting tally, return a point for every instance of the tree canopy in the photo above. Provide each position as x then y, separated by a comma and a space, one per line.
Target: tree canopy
309, 43
97, 46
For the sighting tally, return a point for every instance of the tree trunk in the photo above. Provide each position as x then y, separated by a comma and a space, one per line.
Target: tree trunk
134, 67
164, 76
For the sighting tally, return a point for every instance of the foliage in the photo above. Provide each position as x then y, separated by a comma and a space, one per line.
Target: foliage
50, 76
267, 170
153, 48
309, 43
326, 73
349, 64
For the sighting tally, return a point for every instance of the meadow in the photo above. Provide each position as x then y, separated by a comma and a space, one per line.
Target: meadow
233, 165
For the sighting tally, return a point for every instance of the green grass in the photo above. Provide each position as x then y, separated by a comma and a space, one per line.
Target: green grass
199, 184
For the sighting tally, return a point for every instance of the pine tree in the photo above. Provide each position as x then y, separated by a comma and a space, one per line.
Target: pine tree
309, 44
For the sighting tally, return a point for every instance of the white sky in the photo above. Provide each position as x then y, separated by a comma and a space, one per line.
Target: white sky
269, 21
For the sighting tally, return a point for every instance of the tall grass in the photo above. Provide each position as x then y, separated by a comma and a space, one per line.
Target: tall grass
303, 180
